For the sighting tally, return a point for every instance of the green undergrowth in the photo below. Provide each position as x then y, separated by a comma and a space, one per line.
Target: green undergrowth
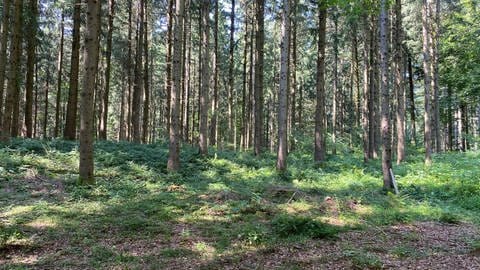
223, 204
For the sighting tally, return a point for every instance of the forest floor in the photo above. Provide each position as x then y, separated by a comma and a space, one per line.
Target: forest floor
234, 211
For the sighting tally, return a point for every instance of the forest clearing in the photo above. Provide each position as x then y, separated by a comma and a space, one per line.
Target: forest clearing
239, 134
234, 211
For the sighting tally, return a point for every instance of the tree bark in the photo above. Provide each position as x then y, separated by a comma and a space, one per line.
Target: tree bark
385, 100
86, 100
258, 89
168, 62
138, 78
320, 129
205, 78
59, 80
3, 51
31, 59
216, 55
283, 91
427, 80
412, 99
13, 88
230, 74
70, 130
366, 105
335, 109
146, 82
108, 56
174, 148
45, 109
399, 84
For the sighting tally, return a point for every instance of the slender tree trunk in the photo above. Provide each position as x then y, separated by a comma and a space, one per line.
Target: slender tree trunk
174, 148
320, 129
283, 91
45, 109
258, 89
187, 76
13, 87
216, 55
366, 106
31, 59
146, 82
412, 99
205, 75
35, 104
86, 100
427, 80
59, 80
138, 77
168, 62
435, 42
70, 130
106, 92
3, 51
385, 101
293, 72
231, 75
335, 97
399, 84
450, 118
244, 86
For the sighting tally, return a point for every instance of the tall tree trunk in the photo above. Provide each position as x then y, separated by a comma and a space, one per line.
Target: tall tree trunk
205, 86
283, 91
230, 74
70, 130
335, 97
138, 77
244, 86
86, 101
3, 51
13, 87
411, 88
31, 59
366, 106
214, 119
186, 74
146, 82
174, 148
320, 129
258, 90
45, 109
435, 42
385, 101
168, 61
59, 80
35, 104
106, 92
293, 72
399, 84
427, 80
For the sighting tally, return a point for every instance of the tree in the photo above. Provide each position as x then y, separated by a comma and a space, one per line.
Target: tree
427, 80
138, 77
59, 79
3, 50
13, 86
283, 90
31, 59
385, 100
70, 131
259, 139
399, 83
104, 116
320, 129
86, 99
205, 78
174, 149
231, 79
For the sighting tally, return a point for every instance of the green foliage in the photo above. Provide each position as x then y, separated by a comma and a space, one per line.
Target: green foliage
218, 204
363, 260
286, 226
